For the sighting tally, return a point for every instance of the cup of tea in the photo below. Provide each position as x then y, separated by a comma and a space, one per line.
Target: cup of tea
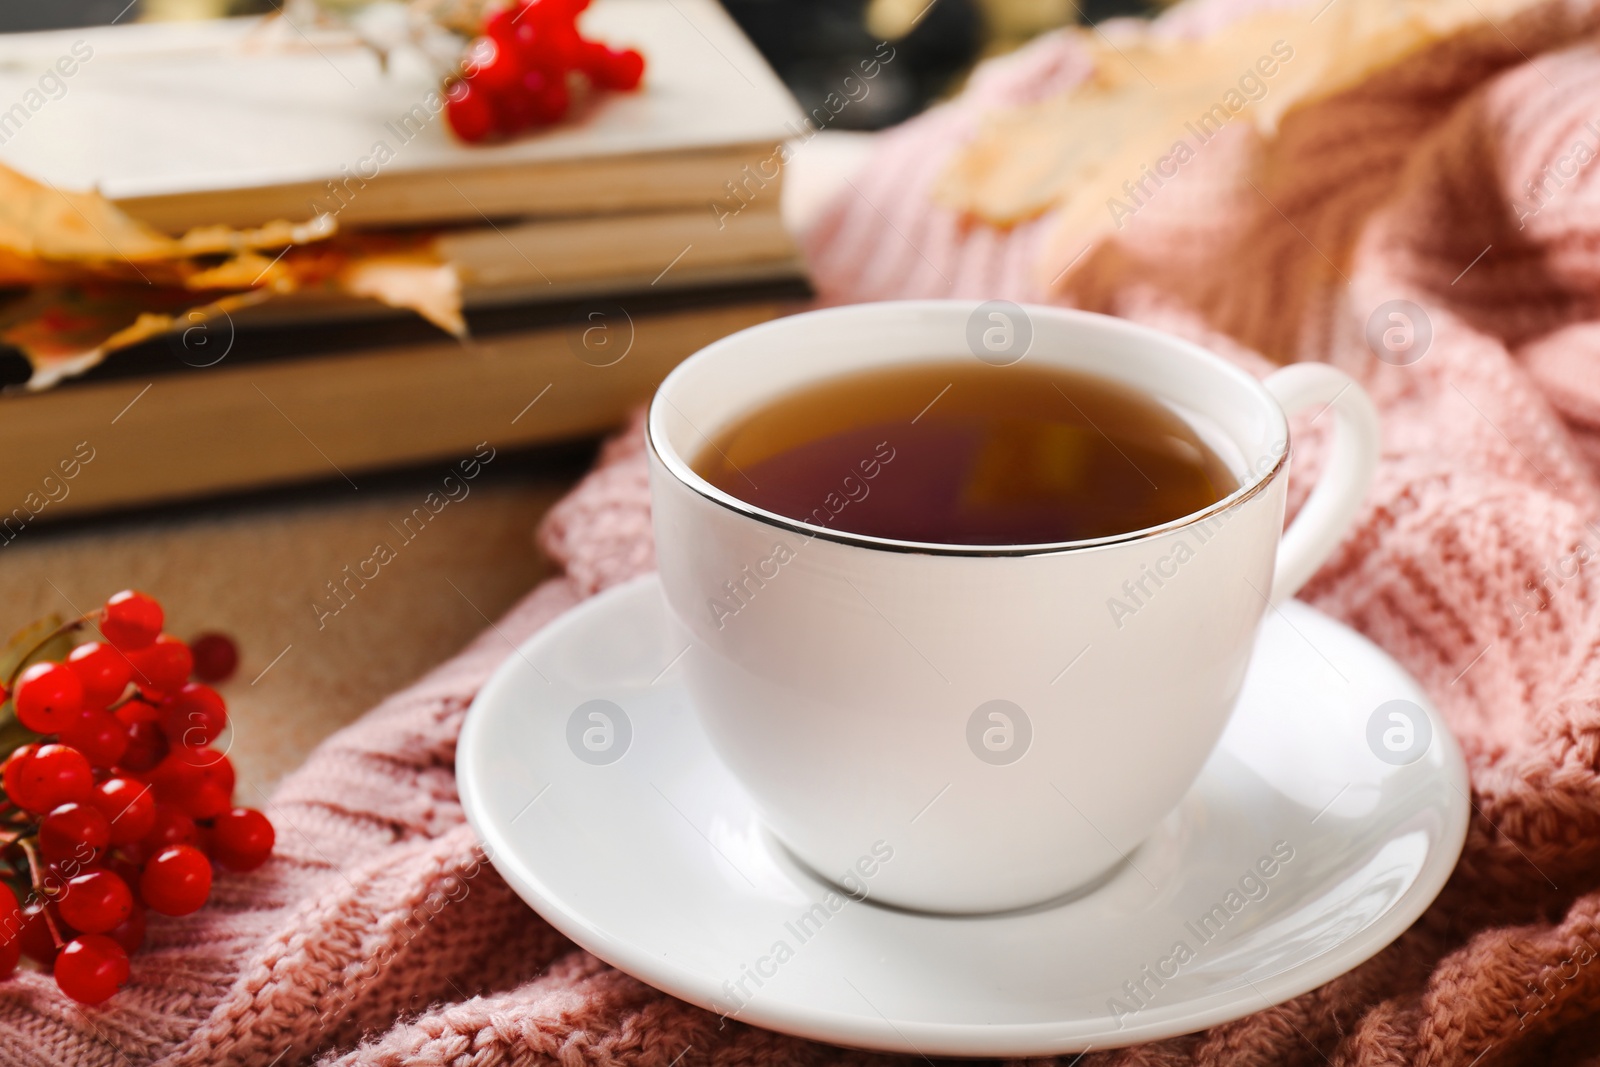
972, 588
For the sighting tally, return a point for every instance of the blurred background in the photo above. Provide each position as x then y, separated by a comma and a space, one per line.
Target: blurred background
810, 43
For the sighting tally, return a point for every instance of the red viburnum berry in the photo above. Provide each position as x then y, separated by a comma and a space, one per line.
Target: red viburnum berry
242, 839
96, 902
34, 939
161, 668
129, 807
39, 778
74, 835
470, 113
176, 881
147, 744
103, 669
49, 696
498, 67
11, 922
168, 826
91, 968
129, 933
131, 620
195, 716
99, 735
216, 657
195, 779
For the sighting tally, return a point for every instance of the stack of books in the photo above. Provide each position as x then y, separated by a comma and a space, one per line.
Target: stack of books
594, 255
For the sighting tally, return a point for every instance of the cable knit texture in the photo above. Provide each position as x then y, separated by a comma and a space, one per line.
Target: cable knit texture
377, 935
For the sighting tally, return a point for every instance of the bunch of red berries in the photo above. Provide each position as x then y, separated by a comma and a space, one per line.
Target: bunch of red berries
520, 73
116, 797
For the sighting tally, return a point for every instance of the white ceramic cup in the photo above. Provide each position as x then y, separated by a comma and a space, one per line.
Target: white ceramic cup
972, 729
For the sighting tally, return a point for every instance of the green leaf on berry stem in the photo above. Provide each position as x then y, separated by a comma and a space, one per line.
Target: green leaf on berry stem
24, 647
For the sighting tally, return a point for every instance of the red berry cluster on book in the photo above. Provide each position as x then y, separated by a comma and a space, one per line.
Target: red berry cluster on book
518, 75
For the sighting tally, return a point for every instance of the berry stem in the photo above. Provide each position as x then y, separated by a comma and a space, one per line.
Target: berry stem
39, 890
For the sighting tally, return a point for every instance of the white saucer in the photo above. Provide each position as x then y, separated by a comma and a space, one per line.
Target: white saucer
656, 862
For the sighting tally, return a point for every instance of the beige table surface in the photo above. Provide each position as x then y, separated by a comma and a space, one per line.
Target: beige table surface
254, 570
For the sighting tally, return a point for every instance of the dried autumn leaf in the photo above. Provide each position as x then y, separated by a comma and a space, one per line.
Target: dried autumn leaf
407, 271
420, 283
1153, 102
54, 235
224, 240
42, 222
404, 270
98, 280
65, 331
248, 270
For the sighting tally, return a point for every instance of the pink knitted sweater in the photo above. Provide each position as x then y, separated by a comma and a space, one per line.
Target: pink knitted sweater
377, 936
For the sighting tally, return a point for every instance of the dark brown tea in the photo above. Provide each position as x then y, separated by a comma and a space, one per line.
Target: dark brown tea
967, 453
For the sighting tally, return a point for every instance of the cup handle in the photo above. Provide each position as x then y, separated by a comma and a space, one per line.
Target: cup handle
1333, 504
